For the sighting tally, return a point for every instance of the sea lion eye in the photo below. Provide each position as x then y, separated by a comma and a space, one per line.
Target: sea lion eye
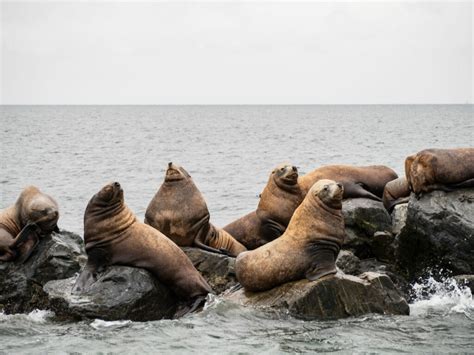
326, 187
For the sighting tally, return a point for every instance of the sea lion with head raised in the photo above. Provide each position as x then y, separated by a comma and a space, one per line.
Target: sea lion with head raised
395, 193
114, 236
441, 169
278, 200
33, 215
358, 181
179, 211
308, 248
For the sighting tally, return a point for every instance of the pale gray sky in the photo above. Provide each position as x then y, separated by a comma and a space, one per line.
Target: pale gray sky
236, 52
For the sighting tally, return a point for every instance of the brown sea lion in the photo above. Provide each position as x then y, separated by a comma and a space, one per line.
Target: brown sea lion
179, 211
278, 201
308, 248
395, 192
33, 215
358, 181
441, 169
114, 236
408, 163
246, 230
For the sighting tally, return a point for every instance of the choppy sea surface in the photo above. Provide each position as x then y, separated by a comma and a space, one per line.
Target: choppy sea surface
70, 152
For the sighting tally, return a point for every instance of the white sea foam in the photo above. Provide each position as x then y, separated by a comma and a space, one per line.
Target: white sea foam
36, 316
445, 296
103, 324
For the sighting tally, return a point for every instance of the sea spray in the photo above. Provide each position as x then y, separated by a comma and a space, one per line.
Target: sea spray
441, 295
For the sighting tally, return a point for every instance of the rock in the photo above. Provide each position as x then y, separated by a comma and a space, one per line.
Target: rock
57, 256
217, 269
374, 265
121, 292
333, 297
399, 217
466, 280
439, 233
348, 262
363, 218
383, 246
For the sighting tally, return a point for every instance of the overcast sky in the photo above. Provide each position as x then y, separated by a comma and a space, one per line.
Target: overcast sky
236, 53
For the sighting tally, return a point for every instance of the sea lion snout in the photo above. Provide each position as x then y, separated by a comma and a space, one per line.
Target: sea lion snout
328, 191
288, 173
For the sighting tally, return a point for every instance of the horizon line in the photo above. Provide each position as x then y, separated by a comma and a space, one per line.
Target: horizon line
263, 104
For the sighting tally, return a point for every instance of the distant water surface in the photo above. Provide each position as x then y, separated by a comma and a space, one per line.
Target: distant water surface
70, 152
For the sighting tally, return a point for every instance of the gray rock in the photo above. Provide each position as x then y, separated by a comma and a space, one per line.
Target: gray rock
217, 269
374, 265
439, 233
363, 218
466, 280
399, 217
333, 297
348, 262
57, 256
120, 292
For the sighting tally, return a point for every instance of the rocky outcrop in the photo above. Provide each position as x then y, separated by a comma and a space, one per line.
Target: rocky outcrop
348, 262
368, 228
438, 233
333, 297
217, 269
120, 292
57, 256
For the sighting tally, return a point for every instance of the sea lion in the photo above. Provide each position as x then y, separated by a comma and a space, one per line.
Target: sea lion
179, 211
114, 236
408, 163
308, 248
395, 192
278, 200
246, 230
33, 215
358, 181
441, 169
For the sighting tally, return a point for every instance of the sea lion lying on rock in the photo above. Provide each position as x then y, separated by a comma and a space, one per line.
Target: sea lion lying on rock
114, 236
34, 214
395, 193
179, 211
308, 248
278, 201
440, 169
358, 181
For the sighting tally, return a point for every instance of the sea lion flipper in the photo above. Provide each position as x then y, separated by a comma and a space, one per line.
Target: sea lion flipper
324, 254
354, 190
25, 234
97, 260
86, 278
27, 248
56, 229
197, 303
199, 244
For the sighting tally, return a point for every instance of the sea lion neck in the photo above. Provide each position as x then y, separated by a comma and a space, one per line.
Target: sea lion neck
104, 223
321, 204
280, 184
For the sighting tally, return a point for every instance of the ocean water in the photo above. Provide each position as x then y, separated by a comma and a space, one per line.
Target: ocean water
70, 152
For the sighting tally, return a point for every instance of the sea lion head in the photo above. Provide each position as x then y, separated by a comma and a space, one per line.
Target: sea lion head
422, 173
285, 174
39, 208
110, 194
176, 173
329, 192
